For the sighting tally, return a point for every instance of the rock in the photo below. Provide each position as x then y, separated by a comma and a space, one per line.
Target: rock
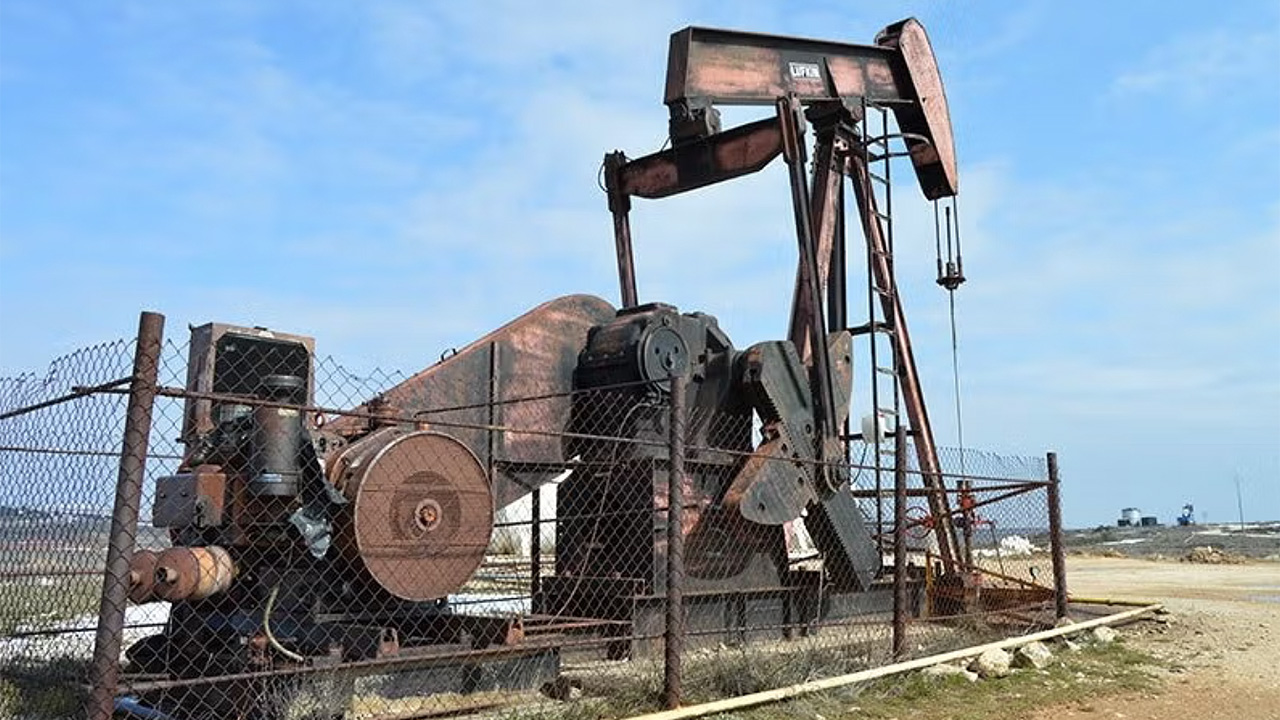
562, 688
993, 663
1103, 634
1067, 622
1032, 655
1071, 646
1210, 555
946, 670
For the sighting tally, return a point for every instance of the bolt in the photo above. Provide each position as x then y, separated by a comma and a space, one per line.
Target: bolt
427, 514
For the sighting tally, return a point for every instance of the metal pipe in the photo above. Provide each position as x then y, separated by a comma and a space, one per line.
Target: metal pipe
104, 672
535, 544
769, 696
931, 522
76, 392
838, 289
967, 507
397, 663
80, 452
620, 207
1055, 539
674, 636
899, 545
831, 127
792, 125
1023, 486
1111, 601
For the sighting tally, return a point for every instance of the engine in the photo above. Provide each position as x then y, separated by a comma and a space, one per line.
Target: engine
299, 536
291, 540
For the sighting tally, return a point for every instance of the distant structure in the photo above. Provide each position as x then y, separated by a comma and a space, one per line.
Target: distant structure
1188, 516
1129, 517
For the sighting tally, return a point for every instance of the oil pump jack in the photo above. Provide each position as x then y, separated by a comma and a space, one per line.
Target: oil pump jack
351, 536
836, 88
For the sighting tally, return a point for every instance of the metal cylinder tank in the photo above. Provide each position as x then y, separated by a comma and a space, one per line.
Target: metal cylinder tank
277, 438
1130, 517
420, 511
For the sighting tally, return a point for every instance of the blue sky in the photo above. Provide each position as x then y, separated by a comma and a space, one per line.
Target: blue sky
397, 178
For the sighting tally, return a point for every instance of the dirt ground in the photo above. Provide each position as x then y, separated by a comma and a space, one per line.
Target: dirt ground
1221, 636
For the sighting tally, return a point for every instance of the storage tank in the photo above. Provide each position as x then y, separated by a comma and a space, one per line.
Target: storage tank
1130, 517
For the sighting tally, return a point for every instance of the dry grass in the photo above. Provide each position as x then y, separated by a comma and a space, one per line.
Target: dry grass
1074, 677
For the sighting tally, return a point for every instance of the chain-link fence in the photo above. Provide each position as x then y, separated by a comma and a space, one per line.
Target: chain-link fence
280, 538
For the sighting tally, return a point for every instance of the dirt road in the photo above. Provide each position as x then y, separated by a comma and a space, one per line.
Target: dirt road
1222, 635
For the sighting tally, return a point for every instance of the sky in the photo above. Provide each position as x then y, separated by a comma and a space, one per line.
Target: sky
398, 178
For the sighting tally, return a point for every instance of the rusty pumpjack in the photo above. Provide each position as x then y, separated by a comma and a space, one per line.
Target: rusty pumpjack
831, 85
349, 537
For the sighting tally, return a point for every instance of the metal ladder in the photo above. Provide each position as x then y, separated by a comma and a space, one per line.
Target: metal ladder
886, 394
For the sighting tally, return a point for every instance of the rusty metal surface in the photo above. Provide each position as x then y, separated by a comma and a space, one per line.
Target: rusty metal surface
192, 573
197, 418
900, 544
740, 68
421, 511
673, 636
824, 421
142, 575
104, 670
536, 355
619, 207
1056, 547
767, 489
724, 156
835, 134
197, 498
934, 156
707, 66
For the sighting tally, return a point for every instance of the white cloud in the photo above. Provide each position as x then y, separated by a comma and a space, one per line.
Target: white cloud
1211, 64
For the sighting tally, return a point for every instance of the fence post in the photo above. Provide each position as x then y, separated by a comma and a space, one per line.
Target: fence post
674, 635
104, 672
535, 545
899, 544
1055, 539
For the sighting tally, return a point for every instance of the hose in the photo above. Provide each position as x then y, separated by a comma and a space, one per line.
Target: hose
266, 628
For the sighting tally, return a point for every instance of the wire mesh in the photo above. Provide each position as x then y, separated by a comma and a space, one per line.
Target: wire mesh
320, 543
58, 456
